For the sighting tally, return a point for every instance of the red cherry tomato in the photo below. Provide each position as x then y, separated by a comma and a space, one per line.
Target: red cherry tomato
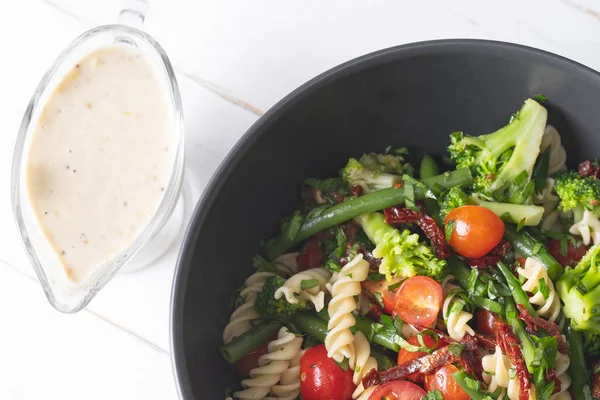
443, 381
486, 321
397, 390
311, 255
405, 355
381, 287
250, 360
419, 300
476, 231
574, 253
323, 378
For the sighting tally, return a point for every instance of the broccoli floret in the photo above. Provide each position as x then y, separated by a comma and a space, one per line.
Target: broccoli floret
270, 307
591, 342
376, 171
452, 199
502, 162
401, 253
579, 289
577, 193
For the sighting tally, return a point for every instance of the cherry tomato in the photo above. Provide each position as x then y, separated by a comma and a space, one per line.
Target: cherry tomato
250, 360
405, 355
574, 253
486, 321
397, 390
419, 300
443, 381
381, 287
476, 231
311, 255
323, 378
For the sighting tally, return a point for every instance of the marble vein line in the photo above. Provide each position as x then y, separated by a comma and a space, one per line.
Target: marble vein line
579, 7
216, 89
147, 342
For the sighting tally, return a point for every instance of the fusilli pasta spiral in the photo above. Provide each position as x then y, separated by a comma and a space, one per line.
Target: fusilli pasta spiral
456, 322
271, 366
558, 155
547, 302
366, 394
288, 263
588, 228
497, 374
289, 385
241, 319
344, 286
316, 295
362, 363
547, 199
561, 365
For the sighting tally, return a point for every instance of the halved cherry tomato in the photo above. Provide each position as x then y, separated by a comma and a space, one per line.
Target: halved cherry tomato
486, 321
574, 253
311, 255
381, 287
405, 355
250, 360
323, 378
397, 390
419, 300
443, 381
476, 231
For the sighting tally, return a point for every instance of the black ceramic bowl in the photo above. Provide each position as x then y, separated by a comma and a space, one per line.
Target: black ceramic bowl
413, 96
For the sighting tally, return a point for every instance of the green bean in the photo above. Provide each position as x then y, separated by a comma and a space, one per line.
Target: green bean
428, 167
578, 368
462, 274
490, 305
249, 341
528, 246
516, 289
355, 206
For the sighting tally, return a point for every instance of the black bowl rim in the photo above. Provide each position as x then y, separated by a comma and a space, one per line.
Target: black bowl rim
476, 46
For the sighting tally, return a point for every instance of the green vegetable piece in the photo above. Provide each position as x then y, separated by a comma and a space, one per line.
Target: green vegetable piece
498, 160
428, 167
270, 307
521, 214
524, 243
401, 253
249, 341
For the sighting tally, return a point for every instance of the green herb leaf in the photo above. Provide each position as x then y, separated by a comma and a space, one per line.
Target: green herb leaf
394, 286
375, 277
540, 170
449, 229
379, 298
472, 384
512, 373
409, 194
262, 265
521, 224
472, 281
433, 395
455, 349
291, 227
540, 98
543, 288
564, 246
306, 284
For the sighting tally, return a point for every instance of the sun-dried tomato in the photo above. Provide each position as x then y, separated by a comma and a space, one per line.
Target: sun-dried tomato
589, 168
403, 215
357, 190
533, 324
509, 344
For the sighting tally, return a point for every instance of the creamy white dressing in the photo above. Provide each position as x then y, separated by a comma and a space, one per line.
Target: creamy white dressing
100, 158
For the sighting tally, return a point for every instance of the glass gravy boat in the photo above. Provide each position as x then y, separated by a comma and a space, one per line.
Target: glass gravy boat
63, 293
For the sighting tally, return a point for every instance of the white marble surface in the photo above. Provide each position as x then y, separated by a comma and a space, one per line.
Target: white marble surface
234, 60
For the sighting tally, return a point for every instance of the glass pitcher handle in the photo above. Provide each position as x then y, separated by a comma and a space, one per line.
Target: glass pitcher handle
133, 13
